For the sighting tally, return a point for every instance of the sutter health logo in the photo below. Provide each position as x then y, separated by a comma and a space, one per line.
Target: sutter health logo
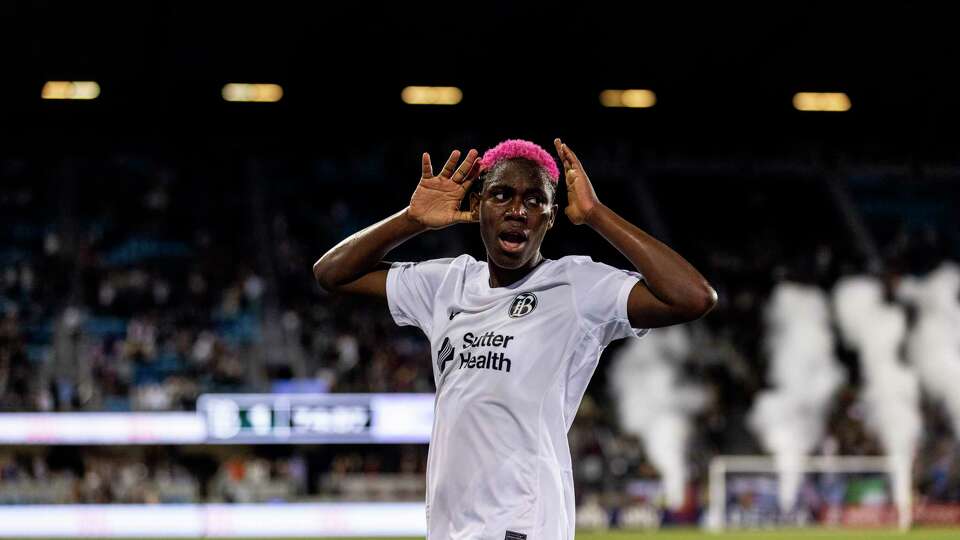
490, 359
444, 355
480, 351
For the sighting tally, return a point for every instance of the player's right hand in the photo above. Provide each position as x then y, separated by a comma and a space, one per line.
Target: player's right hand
435, 203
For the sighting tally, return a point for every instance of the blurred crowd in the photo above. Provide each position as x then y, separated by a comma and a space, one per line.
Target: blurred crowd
131, 283
191, 475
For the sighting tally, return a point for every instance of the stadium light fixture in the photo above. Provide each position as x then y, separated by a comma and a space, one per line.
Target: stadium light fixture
821, 101
70, 90
252, 93
631, 98
431, 95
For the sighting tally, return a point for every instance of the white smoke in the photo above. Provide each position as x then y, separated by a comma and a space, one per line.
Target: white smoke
654, 405
790, 419
890, 392
933, 346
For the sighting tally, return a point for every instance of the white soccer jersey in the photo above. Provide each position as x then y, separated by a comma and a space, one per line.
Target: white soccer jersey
510, 365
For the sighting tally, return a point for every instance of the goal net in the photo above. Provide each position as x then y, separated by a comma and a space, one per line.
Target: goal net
834, 491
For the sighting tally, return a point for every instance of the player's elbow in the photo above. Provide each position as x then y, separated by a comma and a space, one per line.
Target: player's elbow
702, 301
697, 302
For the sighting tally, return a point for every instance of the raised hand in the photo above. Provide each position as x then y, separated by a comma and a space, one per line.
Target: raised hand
581, 198
435, 203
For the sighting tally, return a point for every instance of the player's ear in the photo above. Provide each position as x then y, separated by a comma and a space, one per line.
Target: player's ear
474, 202
553, 215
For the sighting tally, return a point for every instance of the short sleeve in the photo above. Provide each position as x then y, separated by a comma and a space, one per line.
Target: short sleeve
412, 290
601, 292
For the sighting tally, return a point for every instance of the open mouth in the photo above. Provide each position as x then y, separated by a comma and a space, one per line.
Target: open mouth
512, 241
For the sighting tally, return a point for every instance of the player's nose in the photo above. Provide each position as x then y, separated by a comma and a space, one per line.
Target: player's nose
516, 211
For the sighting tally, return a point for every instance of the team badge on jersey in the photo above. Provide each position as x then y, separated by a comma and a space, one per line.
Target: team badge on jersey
522, 305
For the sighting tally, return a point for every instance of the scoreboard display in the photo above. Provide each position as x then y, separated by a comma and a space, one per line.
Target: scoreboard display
316, 418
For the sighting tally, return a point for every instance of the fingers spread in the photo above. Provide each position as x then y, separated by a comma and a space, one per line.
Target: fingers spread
572, 157
465, 168
427, 167
564, 154
560, 152
448, 167
474, 171
471, 174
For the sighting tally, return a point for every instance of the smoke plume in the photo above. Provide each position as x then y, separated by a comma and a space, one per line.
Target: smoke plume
933, 347
654, 405
790, 418
890, 392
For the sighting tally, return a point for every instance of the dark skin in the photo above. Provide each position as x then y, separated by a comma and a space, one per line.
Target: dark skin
516, 198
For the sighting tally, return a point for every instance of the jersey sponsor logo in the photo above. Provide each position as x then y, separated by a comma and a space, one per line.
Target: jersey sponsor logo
486, 358
487, 339
454, 314
511, 535
444, 355
522, 305
496, 361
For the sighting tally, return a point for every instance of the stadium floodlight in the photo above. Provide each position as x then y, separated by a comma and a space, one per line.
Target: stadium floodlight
631, 98
252, 92
431, 95
821, 101
70, 90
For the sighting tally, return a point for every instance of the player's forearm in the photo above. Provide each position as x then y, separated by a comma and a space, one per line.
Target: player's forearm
360, 252
668, 275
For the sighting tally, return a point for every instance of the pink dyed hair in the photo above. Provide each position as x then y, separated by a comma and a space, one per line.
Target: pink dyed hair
519, 148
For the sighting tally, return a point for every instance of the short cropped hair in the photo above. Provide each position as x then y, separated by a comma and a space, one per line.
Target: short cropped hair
520, 151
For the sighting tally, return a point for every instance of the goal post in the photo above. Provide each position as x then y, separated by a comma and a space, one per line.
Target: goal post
732, 476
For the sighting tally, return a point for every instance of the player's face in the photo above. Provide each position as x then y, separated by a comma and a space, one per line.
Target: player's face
515, 213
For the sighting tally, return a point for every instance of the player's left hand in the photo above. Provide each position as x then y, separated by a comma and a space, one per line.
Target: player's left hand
581, 198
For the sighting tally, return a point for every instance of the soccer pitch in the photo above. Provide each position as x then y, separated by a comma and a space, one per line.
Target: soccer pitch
788, 534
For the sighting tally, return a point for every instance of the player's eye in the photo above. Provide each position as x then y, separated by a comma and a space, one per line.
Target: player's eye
533, 201
500, 196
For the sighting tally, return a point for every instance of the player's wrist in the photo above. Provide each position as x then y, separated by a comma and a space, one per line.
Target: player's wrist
592, 216
413, 224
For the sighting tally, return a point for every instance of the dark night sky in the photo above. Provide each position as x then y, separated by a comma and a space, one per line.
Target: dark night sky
721, 73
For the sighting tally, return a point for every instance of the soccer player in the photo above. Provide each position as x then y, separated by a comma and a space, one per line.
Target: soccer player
515, 338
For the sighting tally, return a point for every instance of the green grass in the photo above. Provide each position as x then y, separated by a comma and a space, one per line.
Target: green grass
787, 534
